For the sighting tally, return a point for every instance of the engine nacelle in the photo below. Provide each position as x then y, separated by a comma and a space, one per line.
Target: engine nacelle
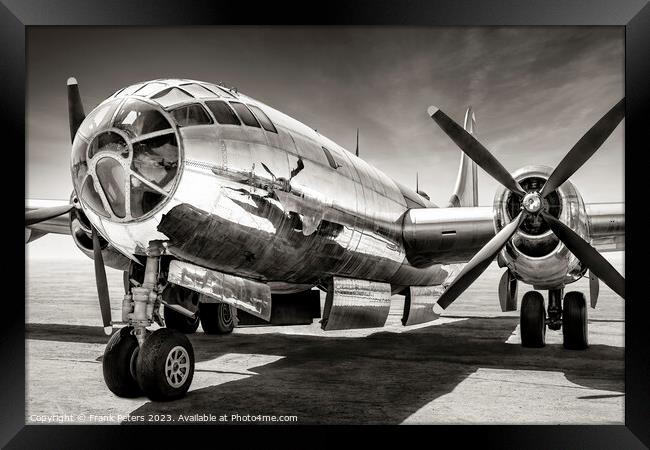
534, 254
82, 236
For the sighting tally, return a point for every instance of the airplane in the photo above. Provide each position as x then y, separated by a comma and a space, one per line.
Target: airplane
223, 210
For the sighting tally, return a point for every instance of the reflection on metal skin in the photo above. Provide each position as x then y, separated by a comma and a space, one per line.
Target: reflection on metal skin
446, 235
355, 304
273, 207
247, 295
607, 226
418, 304
555, 265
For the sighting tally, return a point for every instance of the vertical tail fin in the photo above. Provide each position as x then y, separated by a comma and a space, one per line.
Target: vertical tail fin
466, 189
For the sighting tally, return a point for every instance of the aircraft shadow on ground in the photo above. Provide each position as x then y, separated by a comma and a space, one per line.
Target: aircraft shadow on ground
381, 378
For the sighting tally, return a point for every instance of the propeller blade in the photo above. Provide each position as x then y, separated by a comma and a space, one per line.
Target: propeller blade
588, 255
477, 265
42, 214
475, 150
102, 283
76, 113
585, 148
594, 289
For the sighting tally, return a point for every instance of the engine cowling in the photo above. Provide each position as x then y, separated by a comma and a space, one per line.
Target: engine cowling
534, 254
81, 234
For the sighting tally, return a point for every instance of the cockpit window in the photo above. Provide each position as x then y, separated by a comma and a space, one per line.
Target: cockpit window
129, 90
156, 159
245, 114
150, 88
224, 91
143, 198
197, 90
171, 96
263, 118
108, 141
97, 119
222, 112
90, 196
137, 118
111, 178
127, 166
191, 115
79, 160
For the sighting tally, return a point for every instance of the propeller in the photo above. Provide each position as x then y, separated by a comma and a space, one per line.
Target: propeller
76, 116
532, 202
42, 214
102, 283
475, 150
585, 148
588, 255
477, 265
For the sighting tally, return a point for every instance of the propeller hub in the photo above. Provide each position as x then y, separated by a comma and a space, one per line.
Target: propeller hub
532, 202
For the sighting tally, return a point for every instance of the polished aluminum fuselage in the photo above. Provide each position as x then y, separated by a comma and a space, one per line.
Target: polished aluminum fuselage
237, 208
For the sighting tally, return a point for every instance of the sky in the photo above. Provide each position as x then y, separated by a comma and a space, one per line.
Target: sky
535, 92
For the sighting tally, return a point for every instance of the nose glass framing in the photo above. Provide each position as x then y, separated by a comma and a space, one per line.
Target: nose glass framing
126, 168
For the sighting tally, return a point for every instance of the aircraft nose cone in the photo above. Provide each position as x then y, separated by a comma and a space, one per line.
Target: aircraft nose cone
532, 202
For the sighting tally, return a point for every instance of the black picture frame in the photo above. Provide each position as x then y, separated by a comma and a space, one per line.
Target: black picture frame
634, 15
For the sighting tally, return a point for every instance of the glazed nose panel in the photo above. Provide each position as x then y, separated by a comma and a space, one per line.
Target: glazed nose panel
125, 159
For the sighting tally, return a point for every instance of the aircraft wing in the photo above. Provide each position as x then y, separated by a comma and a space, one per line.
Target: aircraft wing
454, 235
56, 225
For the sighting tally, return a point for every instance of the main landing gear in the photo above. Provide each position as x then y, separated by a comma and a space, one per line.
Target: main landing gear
158, 364
570, 315
216, 318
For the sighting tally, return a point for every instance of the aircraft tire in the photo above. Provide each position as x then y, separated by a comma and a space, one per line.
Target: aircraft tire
118, 363
574, 321
179, 322
165, 365
533, 320
217, 318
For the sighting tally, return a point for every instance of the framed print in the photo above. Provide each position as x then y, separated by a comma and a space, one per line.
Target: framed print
376, 213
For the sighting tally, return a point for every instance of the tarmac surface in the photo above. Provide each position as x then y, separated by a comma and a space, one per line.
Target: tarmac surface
465, 368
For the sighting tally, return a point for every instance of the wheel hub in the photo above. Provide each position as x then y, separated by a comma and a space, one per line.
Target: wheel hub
177, 366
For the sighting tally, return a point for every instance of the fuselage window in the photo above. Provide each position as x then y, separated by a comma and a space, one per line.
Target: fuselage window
245, 114
222, 112
330, 159
263, 118
188, 115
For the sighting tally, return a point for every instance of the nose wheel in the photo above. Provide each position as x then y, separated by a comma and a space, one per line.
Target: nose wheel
162, 368
118, 364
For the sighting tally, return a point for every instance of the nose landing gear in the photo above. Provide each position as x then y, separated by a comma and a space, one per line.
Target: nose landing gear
159, 364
